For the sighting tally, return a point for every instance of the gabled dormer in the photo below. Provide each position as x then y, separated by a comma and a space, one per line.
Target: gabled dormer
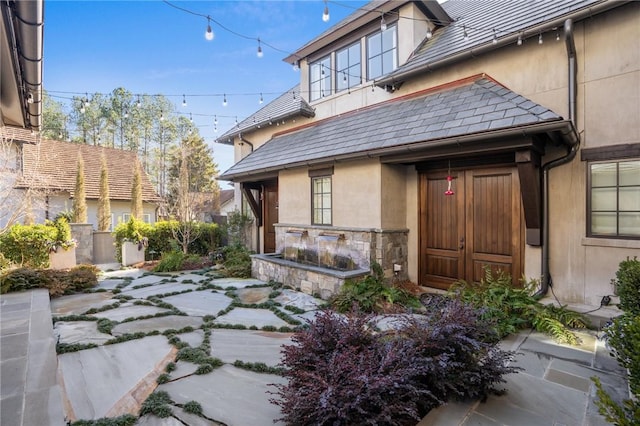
364, 47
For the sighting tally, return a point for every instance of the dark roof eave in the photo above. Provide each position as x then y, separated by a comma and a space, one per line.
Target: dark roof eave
396, 78
564, 129
227, 138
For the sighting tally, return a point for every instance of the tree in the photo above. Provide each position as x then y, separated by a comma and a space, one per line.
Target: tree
136, 193
54, 119
186, 232
79, 196
104, 203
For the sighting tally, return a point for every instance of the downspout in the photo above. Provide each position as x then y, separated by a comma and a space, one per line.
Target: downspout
243, 140
547, 281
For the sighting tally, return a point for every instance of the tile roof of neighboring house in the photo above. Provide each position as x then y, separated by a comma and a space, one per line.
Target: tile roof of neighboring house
474, 105
53, 165
286, 106
510, 19
226, 195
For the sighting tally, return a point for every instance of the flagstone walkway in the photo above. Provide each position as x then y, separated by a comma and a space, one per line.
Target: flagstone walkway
138, 330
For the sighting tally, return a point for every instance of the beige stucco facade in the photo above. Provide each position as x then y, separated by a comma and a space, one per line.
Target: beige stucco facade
371, 194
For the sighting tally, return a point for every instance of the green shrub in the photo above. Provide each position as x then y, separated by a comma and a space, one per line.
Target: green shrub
162, 237
513, 308
57, 282
628, 285
237, 261
373, 294
133, 230
28, 245
170, 261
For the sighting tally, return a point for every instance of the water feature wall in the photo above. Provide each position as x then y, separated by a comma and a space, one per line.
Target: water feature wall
317, 259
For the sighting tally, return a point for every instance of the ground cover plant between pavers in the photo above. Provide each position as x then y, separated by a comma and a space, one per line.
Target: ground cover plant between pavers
133, 320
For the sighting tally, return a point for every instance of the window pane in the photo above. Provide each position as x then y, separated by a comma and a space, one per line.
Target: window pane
374, 45
315, 72
342, 59
326, 185
317, 216
603, 199
630, 173
630, 224
603, 223
375, 67
603, 174
630, 198
388, 59
326, 217
389, 39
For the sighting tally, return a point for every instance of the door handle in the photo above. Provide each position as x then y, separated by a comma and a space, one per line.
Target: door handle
461, 247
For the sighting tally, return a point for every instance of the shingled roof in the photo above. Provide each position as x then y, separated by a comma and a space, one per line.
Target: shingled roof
482, 20
437, 116
286, 106
52, 165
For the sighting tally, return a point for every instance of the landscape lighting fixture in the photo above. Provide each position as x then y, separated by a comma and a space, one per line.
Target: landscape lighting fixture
209, 33
325, 14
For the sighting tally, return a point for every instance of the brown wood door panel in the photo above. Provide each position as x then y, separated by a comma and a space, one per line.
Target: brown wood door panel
480, 225
270, 217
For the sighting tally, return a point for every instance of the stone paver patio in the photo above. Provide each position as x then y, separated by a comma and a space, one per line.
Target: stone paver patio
140, 330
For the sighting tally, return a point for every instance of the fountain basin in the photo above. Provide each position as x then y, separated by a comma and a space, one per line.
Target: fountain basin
310, 279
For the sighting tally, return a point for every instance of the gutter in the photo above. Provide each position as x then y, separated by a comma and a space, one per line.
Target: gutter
547, 281
565, 129
396, 79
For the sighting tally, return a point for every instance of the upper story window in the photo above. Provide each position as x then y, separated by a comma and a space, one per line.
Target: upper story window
320, 78
348, 67
382, 52
614, 199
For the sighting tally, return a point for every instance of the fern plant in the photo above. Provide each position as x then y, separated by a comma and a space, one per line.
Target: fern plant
513, 308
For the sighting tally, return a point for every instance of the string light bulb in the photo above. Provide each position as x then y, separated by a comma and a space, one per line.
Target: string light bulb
520, 39
540, 41
82, 107
383, 24
495, 38
557, 35
215, 120
224, 100
86, 99
190, 118
261, 100
260, 54
30, 98
465, 36
295, 65
429, 33
138, 103
209, 33
184, 101
325, 14
161, 115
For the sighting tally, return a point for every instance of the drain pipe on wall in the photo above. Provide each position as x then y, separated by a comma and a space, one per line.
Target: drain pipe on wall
573, 150
243, 141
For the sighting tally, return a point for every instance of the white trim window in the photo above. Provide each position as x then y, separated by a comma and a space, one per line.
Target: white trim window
320, 78
348, 67
382, 52
614, 199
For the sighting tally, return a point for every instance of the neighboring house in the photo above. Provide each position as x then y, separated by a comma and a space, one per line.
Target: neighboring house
226, 201
525, 113
49, 170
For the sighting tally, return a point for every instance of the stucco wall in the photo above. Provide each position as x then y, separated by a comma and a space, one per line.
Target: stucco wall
356, 194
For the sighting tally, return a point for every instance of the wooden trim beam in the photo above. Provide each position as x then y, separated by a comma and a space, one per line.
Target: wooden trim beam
614, 152
255, 207
529, 173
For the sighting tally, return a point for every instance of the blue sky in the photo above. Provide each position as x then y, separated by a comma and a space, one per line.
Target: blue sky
150, 47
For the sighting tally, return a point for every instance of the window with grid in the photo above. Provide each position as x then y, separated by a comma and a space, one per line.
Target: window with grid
614, 199
382, 52
320, 78
348, 67
321, 200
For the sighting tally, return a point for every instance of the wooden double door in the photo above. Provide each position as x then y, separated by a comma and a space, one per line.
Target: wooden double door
479, 225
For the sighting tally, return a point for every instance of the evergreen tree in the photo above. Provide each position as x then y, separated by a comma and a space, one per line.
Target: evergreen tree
104, 204
79, 196
136, 193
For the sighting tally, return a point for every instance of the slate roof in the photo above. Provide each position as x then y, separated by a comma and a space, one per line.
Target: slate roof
475, 105
479, 18
226, 195
18, 134
53, 165
286, 106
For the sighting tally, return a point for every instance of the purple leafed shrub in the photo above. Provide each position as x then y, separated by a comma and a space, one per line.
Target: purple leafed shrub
341, 372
